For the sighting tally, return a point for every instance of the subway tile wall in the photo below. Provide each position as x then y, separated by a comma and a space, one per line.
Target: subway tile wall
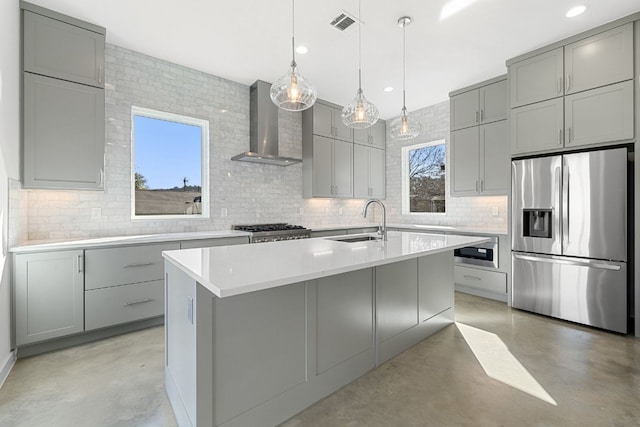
250, 193
245, 192
486, 212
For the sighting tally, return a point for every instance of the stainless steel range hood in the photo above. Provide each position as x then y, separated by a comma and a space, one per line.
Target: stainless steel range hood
263, 129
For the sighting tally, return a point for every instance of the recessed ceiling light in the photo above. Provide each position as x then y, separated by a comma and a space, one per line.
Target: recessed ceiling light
575, 11
302, 50
388, 89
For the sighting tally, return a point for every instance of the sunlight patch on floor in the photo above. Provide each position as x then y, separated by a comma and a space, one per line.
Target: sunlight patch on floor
498, 362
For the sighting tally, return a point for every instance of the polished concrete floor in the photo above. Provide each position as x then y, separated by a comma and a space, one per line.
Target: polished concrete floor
592, 378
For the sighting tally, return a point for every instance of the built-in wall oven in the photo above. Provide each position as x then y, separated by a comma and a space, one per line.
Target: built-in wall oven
482, 254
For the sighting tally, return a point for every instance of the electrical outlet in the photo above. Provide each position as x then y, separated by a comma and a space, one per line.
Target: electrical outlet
224, 212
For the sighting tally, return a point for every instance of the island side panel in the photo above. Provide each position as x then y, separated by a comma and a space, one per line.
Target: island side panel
412, 302
344, 318
259, 348
435, 284
180, 344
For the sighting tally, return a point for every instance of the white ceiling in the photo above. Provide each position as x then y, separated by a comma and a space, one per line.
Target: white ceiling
248, 40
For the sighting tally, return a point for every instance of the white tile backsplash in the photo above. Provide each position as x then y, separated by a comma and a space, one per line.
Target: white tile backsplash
246, 192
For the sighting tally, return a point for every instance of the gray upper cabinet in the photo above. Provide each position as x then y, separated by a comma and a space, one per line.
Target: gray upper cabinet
485, 104
48, 295
62, 50
599, 60
375, 135
332, 165
331, 173
574, 95
63, 101
63, 134
479, 144
480, 160
368, 172
537, 79
537, 127
599, 115
327, 121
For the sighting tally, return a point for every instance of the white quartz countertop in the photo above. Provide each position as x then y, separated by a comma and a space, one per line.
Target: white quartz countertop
418, 227
39, 246
233, 270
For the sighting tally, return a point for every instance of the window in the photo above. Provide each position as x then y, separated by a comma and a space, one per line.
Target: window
170, 173
423, 178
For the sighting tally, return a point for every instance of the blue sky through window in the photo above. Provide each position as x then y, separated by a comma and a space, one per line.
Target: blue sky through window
165, 152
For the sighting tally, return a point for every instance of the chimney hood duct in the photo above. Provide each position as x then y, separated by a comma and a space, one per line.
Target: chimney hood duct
263, 129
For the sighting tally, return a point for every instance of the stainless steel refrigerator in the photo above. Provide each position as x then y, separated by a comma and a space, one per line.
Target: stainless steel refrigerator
569, 237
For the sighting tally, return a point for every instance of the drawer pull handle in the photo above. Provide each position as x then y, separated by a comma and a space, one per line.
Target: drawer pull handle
140, 301
144, 264
466, 276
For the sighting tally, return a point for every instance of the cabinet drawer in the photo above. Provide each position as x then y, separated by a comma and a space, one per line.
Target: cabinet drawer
121, 266
122, 304
493, 281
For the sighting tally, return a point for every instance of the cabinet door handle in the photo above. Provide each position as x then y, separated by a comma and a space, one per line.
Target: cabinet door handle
560, 137
143, 264
466, 276
80, 263
560, 85
477, 117
481, 115
99, 73
476, 186
568, 82
139, 301
569, 136
481, 185
101, 177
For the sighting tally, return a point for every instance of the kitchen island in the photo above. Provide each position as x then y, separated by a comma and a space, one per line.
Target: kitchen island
256, 333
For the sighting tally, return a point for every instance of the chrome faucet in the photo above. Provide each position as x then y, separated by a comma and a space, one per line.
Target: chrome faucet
382, 230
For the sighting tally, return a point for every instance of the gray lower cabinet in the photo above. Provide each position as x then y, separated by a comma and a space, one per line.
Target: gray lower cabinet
63, 136
48, 295
435, 275
259, 358
124, 284
121, 304
408, 294
484, 280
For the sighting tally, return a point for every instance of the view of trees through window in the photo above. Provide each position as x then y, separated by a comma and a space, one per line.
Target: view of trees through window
167, 163
426, 170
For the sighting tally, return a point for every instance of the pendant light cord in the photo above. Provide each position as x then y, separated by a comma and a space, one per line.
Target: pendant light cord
359, 48
293, 32
404, 63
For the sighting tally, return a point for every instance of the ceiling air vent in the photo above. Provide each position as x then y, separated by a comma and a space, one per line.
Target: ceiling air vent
343, 21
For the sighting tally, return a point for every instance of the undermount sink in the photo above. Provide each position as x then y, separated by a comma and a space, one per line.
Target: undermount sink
356, 239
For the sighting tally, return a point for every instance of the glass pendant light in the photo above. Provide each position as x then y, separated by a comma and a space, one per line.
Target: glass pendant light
360, 114
292, 92
403, 128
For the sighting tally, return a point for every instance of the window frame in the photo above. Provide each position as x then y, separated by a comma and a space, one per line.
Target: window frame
405, 176
204, 162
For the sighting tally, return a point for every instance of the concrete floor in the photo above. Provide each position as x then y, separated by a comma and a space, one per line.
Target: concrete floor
593, 376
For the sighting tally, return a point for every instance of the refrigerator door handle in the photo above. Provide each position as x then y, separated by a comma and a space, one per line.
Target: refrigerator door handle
565, 203
558, 260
